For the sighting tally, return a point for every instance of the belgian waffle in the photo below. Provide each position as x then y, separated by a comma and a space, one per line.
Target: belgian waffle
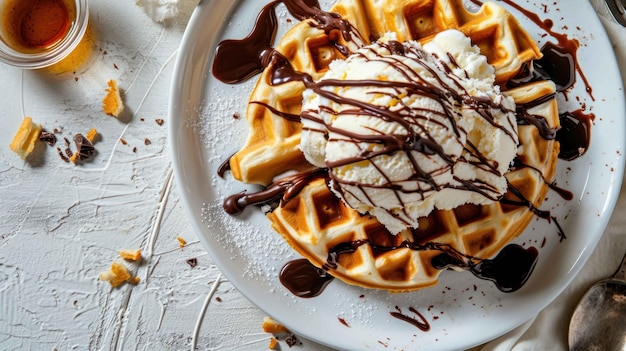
315, 221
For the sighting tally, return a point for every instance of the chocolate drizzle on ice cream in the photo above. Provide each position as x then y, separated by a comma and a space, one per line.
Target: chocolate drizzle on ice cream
404, 128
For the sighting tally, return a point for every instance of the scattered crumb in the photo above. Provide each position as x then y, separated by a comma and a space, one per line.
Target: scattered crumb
272, 326
292, 340
84, 146
181, 241
116, 275
123, 141
92, 134
112, 103
24, 141
159, 121
218, 299
62, 155
48, 138
135, 280
130, 255
192, 262
273, 344
147, 141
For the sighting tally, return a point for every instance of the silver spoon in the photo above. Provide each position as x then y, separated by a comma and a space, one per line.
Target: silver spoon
599, 321
618, 10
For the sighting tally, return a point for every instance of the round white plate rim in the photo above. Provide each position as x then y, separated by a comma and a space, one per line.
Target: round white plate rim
190, 70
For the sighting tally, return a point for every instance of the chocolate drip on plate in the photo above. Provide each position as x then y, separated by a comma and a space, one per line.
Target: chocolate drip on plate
304, 279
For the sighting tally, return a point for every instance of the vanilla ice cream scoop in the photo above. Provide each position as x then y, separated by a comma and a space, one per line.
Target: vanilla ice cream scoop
405, 128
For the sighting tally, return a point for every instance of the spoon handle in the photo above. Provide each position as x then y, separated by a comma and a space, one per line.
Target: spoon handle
620, 274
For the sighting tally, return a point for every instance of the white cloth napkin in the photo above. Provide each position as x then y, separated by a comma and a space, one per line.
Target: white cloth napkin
549, 329
164, 10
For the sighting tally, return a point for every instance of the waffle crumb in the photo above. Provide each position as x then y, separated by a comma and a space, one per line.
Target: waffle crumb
112, 103
26, 137
92, 134
116, 275
181, 241
273, 344
130, 255
271, 326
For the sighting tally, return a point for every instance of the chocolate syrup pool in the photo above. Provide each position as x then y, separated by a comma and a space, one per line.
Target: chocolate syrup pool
238, 60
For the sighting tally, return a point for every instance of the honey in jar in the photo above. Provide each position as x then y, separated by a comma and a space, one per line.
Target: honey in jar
32, 26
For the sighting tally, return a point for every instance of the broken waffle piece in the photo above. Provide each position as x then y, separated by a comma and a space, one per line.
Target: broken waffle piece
116, 275
26, 137
112, 103
270, 325
92, 134
273, 344
130, 255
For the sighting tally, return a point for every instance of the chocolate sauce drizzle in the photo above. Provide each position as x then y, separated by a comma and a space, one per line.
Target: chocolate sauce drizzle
285, 189
238, 60
419, 322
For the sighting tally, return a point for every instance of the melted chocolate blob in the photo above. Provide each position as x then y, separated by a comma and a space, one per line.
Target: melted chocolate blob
557, 65
237, 60
304, 279
574, 135
510, 269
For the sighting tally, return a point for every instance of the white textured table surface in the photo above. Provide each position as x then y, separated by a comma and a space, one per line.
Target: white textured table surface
61, 224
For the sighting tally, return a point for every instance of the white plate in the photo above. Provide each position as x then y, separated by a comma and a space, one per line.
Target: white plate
462, 310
